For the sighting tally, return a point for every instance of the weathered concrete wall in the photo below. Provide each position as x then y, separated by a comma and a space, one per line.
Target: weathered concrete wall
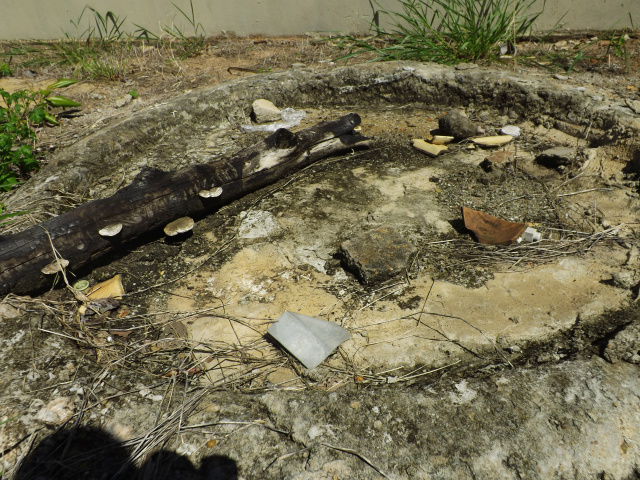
25, 19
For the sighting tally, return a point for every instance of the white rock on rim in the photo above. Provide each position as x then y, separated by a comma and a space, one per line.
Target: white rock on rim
265, 111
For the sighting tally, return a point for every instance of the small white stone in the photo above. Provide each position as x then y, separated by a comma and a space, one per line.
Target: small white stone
121, 102
510, 130
57, 411
265, 111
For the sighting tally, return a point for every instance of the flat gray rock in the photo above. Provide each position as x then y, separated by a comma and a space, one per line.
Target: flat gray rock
377, 255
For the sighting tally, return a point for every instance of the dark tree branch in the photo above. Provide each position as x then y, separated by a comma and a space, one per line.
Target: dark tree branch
155, 198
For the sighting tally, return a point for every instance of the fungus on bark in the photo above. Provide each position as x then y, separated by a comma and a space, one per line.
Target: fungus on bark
181, 225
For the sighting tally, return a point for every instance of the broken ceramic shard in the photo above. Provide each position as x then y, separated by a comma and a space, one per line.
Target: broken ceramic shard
214, 192
428, 148
491, 230
111, 230
494, 141
309, 339
111, 288
55, 267
441, 139
181, 225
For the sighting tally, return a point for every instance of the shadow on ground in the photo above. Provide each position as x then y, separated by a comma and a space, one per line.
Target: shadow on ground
88, 453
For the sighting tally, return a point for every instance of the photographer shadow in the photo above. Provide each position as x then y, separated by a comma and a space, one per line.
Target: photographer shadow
89, 453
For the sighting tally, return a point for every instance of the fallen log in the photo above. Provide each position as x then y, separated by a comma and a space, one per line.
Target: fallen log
155, 198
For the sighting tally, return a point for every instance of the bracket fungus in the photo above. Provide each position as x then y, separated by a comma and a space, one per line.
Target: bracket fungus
214, 192
181, 225
55, 266
111, 230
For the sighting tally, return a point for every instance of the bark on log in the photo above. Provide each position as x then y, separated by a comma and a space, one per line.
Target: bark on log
155, 198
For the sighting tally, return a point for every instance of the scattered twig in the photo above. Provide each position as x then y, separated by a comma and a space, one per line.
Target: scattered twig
357, 454
585, 191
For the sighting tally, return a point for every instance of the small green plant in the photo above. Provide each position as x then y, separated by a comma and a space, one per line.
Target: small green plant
22, 111
17, 137
186, 45
618, 44
89, 50
134, 93
3, 222
5, 71
104, 30
444, 31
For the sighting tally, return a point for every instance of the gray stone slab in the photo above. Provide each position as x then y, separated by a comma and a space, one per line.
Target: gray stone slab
376, 255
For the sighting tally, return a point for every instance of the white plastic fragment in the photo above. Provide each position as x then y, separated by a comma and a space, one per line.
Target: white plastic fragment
111, 230
290, 119
54, 267
214, 192
530, 235
311, 340
510, 130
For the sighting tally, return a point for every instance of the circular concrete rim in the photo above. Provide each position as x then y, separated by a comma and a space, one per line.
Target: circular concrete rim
432, 85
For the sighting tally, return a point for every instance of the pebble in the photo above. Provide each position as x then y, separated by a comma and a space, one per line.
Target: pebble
186, 449
57, 411
466, 66
126, 100
7, 311
624, 279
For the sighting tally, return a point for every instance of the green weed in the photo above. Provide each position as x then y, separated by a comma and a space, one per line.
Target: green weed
5, 70
22, 111
582, 53
103, 31
443, 31
89, 51
186, 45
